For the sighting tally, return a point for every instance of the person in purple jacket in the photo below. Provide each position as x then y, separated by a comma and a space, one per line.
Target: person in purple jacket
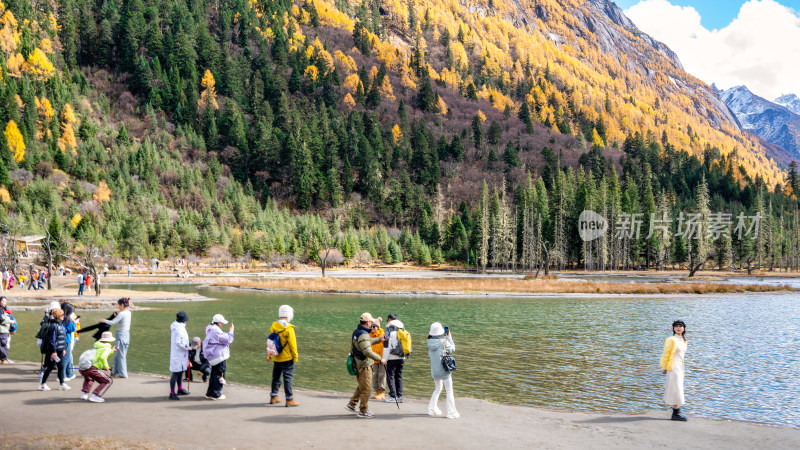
216, 349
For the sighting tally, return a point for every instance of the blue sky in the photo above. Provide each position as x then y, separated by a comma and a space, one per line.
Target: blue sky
715, 14
759, 49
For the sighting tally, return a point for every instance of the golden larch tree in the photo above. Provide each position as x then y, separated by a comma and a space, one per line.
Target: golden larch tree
16, 144
397, 134
9, 35
348, 101
14, 65
386, 90
209, 94
102, 193
38, 66
67, 141
311, 73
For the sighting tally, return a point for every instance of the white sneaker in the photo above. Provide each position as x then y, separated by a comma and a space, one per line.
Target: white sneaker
44, 387
453, 416
70, 378
84, 396
64, 387
96, 399
435, 413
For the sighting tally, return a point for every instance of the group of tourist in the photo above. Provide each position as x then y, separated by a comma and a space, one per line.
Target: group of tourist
36, 279
377, 354
59, 330
370, 343
84, 280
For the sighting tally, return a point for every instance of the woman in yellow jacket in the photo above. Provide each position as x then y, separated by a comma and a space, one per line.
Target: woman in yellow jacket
378, 370
284, 362
672, 363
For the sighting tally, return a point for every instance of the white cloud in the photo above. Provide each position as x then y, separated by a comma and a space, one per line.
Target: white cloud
760, 48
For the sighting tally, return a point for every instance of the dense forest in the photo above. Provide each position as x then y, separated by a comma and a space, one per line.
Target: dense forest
389, 131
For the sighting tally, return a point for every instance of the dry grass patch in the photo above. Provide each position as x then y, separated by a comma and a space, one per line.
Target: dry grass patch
548, 286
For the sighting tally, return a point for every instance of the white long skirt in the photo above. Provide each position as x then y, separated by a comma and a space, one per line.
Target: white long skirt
673, 386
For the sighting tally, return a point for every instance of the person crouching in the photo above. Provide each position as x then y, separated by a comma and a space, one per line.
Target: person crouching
197, 362
98, 371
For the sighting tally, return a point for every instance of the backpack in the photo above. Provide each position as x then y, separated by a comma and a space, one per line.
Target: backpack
13, 328
405, 341
41, 338
403, 347
274, 345
86, 359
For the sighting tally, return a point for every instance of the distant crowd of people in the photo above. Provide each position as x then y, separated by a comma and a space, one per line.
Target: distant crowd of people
377, 356
36, 279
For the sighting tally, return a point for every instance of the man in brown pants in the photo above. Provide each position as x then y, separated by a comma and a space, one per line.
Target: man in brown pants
361, 349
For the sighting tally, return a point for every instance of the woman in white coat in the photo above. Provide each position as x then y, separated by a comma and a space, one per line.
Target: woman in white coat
441, 343
178, 355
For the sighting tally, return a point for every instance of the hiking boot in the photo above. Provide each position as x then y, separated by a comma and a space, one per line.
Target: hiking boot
676, 415
44, 387
389, 399
84, 396
64, 387
351, 408
291, 403
274, 399
379, 395
96, 399
174, 396
365, 415
183, 392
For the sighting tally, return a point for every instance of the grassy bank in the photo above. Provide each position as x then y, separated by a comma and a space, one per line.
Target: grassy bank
547, 286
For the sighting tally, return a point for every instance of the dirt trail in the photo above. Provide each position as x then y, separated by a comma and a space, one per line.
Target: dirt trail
137, 410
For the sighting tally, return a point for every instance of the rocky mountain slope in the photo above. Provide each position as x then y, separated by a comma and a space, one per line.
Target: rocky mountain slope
770, 121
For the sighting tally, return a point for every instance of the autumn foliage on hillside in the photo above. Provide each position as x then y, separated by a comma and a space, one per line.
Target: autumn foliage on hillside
401, 130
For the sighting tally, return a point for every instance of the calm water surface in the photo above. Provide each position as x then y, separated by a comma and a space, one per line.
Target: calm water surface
598, 354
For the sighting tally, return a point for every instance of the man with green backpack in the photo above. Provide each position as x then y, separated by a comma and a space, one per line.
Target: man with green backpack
361, 351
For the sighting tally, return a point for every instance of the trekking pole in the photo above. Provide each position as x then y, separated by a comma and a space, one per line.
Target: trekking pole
397, 402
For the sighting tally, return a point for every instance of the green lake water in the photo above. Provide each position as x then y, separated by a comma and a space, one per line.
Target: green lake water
591, 354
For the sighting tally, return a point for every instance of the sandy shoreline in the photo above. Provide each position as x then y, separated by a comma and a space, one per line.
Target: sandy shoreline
137, 410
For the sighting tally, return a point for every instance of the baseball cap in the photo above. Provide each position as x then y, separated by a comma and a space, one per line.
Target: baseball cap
218, 318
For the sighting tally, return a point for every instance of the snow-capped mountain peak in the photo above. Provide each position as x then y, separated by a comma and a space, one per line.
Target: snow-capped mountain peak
790, 102
773, 122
